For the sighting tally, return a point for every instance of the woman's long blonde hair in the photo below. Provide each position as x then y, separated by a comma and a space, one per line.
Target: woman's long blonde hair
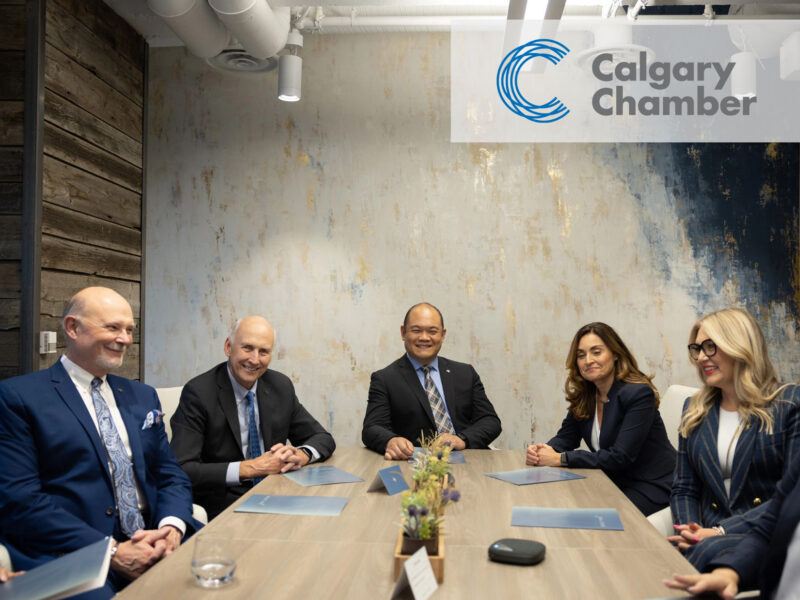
737, 334
581, 394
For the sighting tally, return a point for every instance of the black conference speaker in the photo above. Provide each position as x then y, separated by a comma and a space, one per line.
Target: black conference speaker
516, 551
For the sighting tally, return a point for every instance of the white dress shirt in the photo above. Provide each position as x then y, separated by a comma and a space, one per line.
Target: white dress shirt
727, 438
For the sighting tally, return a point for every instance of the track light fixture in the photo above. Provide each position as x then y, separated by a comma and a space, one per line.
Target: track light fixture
290, 69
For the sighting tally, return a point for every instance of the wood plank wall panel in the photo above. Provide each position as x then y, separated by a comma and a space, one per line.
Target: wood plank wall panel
92, 164
73, 188
12, 96
58, 287
11, 117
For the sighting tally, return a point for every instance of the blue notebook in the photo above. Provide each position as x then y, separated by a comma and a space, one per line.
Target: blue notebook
322, 475
566, 518
320, 506
80, 571
535, 475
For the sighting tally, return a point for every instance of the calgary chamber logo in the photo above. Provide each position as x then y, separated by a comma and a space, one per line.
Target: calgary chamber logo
508, 73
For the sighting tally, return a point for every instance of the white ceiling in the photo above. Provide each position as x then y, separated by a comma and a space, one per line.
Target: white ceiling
434, 15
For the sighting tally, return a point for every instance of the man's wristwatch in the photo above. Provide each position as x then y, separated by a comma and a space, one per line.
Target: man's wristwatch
114, 549
564, 462
308, 453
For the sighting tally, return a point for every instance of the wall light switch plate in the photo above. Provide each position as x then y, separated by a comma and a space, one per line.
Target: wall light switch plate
47, 342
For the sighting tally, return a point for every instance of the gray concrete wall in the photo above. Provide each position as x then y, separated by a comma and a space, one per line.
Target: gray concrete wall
333, 215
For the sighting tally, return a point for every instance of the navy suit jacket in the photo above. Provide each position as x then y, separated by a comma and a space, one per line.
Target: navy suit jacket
761, 555
759, 462
206, 435
398, 406
634, 450
56, 492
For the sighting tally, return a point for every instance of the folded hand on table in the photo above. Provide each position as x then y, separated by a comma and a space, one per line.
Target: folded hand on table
291, 457
542, 455
398, 448
145, 548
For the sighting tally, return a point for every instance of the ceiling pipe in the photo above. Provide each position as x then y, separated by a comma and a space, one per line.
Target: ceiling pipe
260, 30
194, 23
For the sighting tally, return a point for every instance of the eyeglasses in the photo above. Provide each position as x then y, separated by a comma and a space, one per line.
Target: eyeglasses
708, 347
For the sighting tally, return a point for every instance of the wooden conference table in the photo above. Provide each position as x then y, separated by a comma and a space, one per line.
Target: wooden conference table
351, 556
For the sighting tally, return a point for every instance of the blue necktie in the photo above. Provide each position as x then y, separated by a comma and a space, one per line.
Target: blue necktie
252, 428
121, 467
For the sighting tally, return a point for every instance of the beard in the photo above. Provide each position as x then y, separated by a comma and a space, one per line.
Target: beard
110, 363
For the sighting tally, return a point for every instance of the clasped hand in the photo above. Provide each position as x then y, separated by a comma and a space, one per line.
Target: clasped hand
688, 535
145, 548
278, 459
542, 455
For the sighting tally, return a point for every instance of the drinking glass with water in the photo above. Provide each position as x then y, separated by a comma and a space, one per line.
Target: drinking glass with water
213, 562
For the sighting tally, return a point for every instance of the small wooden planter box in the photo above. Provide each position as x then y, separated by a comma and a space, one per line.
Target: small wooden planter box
437, 562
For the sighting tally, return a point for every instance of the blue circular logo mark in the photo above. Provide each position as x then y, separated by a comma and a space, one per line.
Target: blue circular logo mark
507, 81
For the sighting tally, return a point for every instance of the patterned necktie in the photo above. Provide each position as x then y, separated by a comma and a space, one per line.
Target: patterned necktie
443, 423
252, 429
121, 466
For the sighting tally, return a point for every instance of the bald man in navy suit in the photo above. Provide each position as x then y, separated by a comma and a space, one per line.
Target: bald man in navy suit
85, 454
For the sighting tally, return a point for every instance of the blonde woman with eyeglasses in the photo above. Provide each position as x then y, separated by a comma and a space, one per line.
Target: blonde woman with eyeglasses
738, 436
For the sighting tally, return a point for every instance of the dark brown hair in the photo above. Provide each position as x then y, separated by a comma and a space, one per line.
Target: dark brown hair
581, 394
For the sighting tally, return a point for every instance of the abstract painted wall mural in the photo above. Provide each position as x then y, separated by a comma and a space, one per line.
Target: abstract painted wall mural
333, 215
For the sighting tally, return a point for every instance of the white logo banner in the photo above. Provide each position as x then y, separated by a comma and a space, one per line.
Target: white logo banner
615, 80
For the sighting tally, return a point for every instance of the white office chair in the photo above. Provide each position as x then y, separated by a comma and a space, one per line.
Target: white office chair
670, 408
169, 398
5, 559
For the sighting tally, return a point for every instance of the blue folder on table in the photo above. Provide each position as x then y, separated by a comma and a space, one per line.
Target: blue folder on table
319, 506
322, 475
535, 475
80, 571
566, 518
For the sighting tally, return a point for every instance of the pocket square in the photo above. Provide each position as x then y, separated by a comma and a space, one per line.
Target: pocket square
154, 417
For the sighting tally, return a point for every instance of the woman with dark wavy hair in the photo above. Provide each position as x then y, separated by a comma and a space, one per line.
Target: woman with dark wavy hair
613, 407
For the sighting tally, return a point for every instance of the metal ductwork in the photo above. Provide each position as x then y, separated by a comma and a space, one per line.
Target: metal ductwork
260, 30
194, 23
206, 28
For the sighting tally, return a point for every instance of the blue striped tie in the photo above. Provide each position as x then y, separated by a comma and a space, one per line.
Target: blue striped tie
252, 428
130, 516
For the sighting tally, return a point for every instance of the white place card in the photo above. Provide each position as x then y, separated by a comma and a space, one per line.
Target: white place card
417, 575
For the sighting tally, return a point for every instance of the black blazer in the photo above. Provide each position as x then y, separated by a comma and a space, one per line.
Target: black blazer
760, 557
398, 406
634, 450
206, 435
